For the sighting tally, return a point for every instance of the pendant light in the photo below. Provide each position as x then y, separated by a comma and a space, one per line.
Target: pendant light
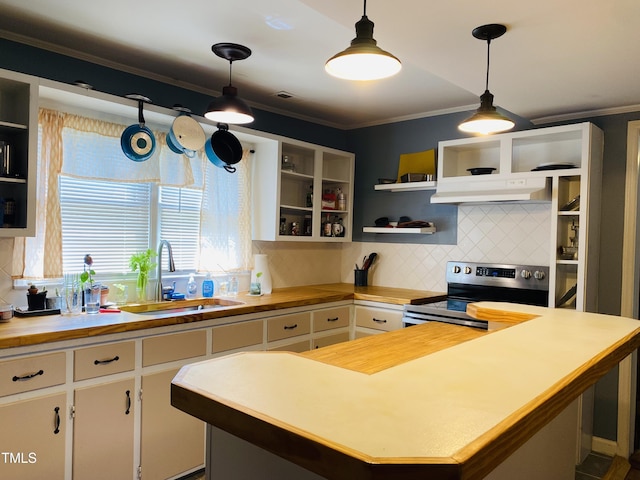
487, 120
363, 59
228, 107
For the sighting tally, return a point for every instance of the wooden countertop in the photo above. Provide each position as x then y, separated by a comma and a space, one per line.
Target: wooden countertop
24, 331
454, 405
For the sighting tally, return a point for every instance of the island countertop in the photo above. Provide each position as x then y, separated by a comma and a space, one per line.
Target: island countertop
454, 408
42, 329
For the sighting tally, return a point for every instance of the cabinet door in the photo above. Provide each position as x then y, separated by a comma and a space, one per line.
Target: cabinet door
32, 438
172, 441
103, 431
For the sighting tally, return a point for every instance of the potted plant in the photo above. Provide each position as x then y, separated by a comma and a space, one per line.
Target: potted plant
36, 299
142, 262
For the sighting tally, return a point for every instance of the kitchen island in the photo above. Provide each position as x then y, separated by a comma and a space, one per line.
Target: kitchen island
458, 404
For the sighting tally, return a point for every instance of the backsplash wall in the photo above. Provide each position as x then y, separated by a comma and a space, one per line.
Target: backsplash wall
498, 233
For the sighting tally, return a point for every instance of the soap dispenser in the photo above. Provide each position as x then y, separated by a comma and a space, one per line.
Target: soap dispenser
192, 287
207, 286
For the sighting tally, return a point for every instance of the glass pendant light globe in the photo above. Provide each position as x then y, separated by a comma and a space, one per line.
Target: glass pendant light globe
487, 119
363, 59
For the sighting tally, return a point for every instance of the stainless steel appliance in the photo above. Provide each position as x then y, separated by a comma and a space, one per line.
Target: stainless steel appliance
469, 282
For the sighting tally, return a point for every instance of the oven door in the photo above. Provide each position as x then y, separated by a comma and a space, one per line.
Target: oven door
438, 312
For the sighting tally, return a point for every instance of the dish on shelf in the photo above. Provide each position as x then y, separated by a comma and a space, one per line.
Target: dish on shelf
573, 204
386, 181
553, 166
481, 170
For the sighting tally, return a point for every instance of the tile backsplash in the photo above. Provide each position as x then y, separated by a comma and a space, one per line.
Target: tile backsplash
498, 233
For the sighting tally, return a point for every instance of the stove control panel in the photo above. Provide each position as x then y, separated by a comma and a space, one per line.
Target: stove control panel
511, 276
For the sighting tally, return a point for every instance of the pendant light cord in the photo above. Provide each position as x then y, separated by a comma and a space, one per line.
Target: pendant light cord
364, 14
486, 87
231, 62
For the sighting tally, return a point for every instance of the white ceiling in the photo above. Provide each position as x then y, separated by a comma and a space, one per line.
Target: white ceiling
557, 57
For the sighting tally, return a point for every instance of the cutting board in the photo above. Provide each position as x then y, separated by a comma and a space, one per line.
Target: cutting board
418, 162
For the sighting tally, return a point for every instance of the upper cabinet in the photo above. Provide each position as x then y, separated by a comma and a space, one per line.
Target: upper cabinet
509, 167
559, 165
302, 192
18, 153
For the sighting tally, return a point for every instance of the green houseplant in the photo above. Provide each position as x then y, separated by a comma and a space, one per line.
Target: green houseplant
142, 262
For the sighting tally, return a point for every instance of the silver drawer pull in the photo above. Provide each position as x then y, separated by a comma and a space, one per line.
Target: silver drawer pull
29, 376
107, 361
335, 319
291, 327
377, 320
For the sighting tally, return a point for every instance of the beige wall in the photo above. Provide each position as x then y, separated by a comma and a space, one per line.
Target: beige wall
507, 233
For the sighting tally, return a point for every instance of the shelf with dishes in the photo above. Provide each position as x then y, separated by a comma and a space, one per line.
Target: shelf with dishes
419, 227
406, 186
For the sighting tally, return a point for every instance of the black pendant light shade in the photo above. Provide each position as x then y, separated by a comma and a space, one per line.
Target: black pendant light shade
363, 59
228, 107
487, 119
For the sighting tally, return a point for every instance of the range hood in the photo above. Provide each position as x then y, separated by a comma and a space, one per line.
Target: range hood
478, 189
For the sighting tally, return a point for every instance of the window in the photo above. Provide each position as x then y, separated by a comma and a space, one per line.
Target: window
92, 199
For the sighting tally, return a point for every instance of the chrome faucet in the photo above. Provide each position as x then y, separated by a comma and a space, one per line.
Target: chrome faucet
172, 267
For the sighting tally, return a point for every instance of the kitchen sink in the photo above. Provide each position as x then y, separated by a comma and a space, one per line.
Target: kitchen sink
180, 306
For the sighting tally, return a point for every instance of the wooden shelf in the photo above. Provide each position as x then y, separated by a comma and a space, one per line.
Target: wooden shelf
421, 230
406, 187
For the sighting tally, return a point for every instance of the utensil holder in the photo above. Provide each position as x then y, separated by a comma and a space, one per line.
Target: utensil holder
360, 278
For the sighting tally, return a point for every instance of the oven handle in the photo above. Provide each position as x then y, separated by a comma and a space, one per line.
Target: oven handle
412, 318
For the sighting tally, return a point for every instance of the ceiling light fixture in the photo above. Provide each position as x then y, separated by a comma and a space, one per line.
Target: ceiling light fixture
363, 59
228, 107
487, 120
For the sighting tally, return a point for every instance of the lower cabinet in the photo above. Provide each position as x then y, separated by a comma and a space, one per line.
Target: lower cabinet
103, 440
171, 441
32, 438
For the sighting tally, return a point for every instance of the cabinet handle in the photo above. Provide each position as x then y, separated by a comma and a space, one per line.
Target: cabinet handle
291, 327
127, 393
335, 319
377, 320
105, 362
29, 376
57, 420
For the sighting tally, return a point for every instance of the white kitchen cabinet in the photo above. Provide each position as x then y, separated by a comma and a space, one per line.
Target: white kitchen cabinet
103, 445
289, 185
33, 438
18, 131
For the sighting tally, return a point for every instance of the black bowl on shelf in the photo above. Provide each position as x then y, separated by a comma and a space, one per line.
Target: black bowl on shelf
481, 170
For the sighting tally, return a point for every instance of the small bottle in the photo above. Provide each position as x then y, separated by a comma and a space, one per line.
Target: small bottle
192, 287
207, 287
310, 196
341, 200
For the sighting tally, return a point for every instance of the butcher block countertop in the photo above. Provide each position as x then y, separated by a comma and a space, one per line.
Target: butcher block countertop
24, 331
431, 401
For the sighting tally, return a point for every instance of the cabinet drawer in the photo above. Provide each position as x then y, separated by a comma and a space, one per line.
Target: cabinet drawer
330, 340
31, 373
378, 318
103, 360
330, 318
237, 335
176, 346
288, 326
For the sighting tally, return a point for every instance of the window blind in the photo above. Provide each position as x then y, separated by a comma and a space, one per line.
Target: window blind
180, 224
108, 220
